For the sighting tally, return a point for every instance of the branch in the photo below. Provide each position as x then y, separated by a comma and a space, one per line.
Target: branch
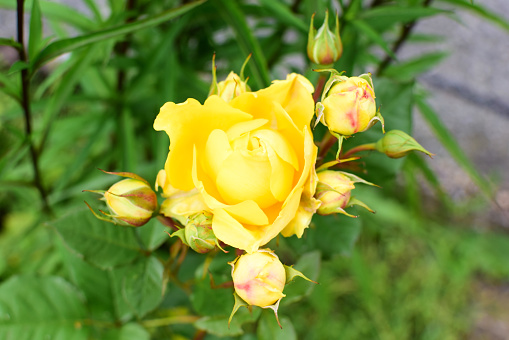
25, 103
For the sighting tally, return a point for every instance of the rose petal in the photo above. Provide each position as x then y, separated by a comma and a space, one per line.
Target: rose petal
231, 232
295, 96
188, 124
281, 177
280, 145
217, 150
240, 128
245, 176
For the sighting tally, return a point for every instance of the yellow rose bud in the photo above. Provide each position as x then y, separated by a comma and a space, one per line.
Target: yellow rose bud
334, 191
396, 144
259, 278
348, 105
231, 87
131, 202
249, 162
324, 47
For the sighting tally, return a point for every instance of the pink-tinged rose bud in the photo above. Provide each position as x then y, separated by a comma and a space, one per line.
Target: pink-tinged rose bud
348, 105
324, 46
334, 191
396, 144
130, 201
259, 278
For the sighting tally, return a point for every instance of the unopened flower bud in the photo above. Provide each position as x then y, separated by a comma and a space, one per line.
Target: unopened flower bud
198, 233
334, 191
348, 105
396, 144
231, 87
130, 201
259, 278
324, 46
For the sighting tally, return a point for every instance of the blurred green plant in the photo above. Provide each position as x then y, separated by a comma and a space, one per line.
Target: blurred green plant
83, 95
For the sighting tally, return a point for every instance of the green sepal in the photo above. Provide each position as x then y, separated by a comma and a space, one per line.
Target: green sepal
334, 78
100, 192
181, 234
318, 113
244, 67
274, 308
291, 273
238, 303
127, 174
343, 211
213, 86
367, 77
357, 179
376, 118
330, 164
354, 201
100, 217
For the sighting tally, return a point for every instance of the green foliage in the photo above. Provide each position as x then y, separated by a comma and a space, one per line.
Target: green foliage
85, 95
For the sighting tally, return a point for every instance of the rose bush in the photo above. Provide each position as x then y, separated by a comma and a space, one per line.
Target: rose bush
250, 162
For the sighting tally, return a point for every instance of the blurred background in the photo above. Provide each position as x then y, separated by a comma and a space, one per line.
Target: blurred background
432, 263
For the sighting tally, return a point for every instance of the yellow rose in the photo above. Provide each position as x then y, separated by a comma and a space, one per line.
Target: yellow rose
250, 162
349, 105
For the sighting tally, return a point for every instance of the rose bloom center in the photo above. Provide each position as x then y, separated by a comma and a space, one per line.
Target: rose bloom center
257, 165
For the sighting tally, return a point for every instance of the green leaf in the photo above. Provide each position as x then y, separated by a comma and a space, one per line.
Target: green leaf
35, 37
482, 12
153, 234
95, 284
33, 308
363, 27
17, 66
10, 42
66, 87
268, 329
130, 331
102, 244
218, 325
281, 12
67, 45
450, 143
408, 70
233, 15
212, 301
309, 264
383, 17
139, 285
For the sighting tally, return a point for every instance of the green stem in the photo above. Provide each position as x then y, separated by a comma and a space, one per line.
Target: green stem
25, 103
363, 147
